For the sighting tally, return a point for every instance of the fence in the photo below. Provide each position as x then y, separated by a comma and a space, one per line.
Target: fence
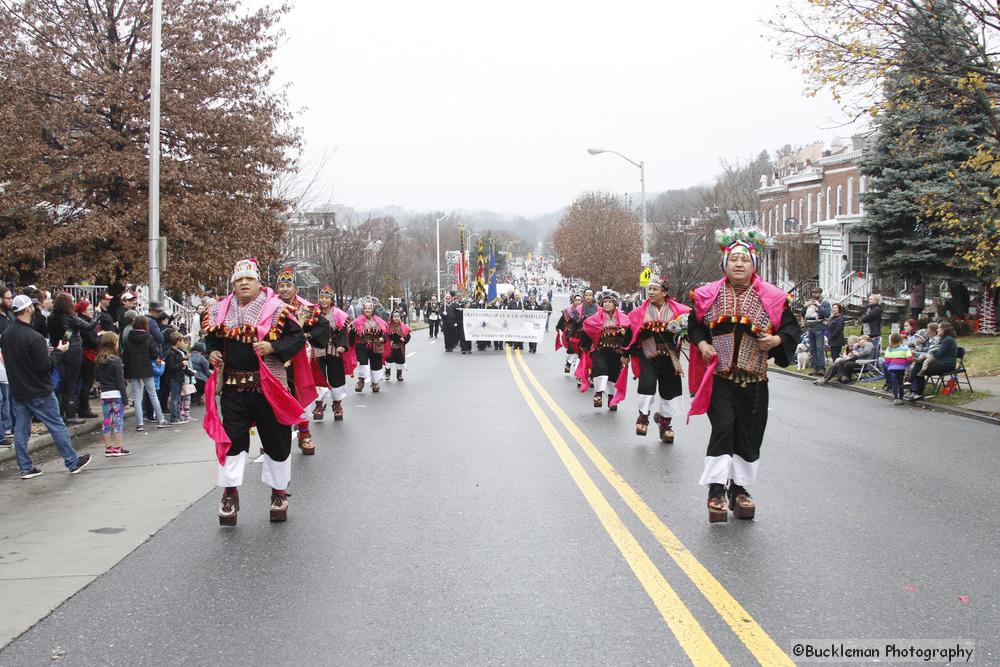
180, 313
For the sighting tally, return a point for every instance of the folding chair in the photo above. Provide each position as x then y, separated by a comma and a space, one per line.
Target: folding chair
937, 381
871, 370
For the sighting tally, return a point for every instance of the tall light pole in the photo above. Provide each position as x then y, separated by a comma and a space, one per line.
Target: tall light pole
437, 226
154, 155
646, 259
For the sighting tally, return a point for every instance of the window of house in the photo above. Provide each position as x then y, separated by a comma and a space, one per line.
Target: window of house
840, 206
828, 193
859, 256
850, 195
809, 210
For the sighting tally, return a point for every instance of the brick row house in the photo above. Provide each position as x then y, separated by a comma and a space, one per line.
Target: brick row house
810, 209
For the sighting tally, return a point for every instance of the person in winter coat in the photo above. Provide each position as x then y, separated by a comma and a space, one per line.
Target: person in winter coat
835, 332
90, 344
65, 324
871, 319
199, 362
110, 374
140, 355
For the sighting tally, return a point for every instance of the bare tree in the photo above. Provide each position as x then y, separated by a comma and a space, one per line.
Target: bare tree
599, 239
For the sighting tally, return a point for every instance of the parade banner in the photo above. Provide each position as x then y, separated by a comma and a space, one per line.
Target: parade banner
514, 326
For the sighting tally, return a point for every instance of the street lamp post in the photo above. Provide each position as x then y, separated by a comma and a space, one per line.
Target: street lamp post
154, 155
437, 226
642, 179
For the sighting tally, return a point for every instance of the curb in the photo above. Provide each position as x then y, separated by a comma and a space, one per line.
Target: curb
923, 405
40, 444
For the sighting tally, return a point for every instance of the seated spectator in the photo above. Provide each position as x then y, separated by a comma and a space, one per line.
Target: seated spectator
846, 366
940, 361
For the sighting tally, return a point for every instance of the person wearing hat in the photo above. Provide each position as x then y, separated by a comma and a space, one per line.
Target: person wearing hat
394, 354
308, 317
567, 332
250, 335
129, 302
450, 322
655, 347
603, 339
155, 314
28, 362
739, 323
368, 337
335, 355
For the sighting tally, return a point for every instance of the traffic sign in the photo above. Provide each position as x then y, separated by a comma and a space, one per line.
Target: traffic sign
645, 276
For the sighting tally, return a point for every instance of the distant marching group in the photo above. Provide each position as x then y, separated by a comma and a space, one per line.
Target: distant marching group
275, 355
737, 324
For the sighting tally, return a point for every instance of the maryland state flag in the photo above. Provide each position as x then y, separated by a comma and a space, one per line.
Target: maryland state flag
491, 292
480, 293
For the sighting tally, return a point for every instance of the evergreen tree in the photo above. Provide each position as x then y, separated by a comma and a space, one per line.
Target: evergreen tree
918, 163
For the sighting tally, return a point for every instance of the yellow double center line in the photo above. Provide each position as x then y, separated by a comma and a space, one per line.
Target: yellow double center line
689, 633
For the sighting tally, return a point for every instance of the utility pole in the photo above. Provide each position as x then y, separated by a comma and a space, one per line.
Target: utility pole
154, 155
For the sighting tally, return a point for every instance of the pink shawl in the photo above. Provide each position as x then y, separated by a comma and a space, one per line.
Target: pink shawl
700, 375
288, 409
387, 348
592, 326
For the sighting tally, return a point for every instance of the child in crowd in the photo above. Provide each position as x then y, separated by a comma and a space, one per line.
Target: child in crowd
895, 360
110, 376
175, 361
188, 387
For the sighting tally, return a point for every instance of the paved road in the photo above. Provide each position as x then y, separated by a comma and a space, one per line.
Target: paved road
484, 512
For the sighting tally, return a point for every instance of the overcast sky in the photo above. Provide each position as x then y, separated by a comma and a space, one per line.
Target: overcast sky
440, 104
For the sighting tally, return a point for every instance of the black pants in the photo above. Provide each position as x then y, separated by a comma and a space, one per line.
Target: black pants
243, 409
739, 417
918, 382
199, 392
435, 327
606, 362
835, 352
658, 371
87, 369
397, 356
367, 356
69, 379
450, 336
333, 368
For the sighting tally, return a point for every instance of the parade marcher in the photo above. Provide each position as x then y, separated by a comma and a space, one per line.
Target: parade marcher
368, 333
450, 322
655, 347
312, 324
516, 303
603, 340
433, 315
464, 344
567, 332
335, 355
739, 322
394, 354
251, 334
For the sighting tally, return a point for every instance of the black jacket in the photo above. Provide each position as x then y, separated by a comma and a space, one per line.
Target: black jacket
28, 362
110, 376
835, 331
89, 335
140, 351
60, 323
873, 318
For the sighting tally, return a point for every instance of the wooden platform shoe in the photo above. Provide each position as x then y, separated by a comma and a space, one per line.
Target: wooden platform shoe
229, 507
598, 399
360, 386
318, 411
279, 507
642, 424
741, 503
338, 411
306, 445
666, 433
718, 511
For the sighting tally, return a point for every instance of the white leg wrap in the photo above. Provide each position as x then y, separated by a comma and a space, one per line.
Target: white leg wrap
646, 403
321, 393
743, 472
671, 408
717, 470
364, 371
600, 382
231, 472
276, 474
338, 393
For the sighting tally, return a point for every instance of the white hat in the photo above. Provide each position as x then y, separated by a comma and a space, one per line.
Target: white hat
245, 268
21, 301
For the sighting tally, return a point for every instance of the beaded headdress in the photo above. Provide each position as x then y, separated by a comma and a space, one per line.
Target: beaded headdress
286, 276
748, 240
245, 268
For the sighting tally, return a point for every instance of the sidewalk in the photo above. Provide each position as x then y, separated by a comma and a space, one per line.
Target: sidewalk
40, 444
63, 531
986, 410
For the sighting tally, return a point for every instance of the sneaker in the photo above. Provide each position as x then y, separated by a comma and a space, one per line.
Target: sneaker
81, 463
139, 428
121, 451
34, 472
6, 443
897, 401
164, 424
109, 451
183, 421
